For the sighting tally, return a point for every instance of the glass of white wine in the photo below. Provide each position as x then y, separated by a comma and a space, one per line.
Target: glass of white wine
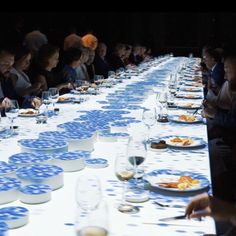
125, 170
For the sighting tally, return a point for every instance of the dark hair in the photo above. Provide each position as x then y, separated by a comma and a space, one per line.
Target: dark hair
214, 53
44, 53
21, 52
72, 54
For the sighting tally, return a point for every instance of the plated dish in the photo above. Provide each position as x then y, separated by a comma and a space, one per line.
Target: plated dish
28, 112
177, 181
184, 141
186, 119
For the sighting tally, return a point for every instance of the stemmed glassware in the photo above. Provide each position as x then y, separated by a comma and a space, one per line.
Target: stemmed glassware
149, 119
11, 112
136, 153
125, 170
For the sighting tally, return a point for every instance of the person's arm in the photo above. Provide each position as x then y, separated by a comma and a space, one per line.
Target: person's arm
205, 205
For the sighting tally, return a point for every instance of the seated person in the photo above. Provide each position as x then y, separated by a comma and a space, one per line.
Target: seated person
72, 61
20, 79
7, 90
205, 205
101, 65
116, 60
42, 71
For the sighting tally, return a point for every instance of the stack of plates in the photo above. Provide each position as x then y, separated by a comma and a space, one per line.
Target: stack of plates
41, 174
14, 216
69, 161
96, 163
111, 137
24, 158
7, 169
43, 145
35, 193
3, 229
8, 189
77, 140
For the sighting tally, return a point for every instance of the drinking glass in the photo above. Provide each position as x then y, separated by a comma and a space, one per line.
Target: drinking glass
88, 192
46, 100
149, 119
96, 224
11, 112
54, 94
124, 171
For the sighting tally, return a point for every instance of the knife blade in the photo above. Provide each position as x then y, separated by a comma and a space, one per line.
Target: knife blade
173, 218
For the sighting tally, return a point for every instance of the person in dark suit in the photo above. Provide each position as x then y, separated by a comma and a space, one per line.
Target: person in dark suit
101, 65
116, 60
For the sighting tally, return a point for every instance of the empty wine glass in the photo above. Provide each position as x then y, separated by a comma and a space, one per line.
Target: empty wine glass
149, 119
124, 171
88, 192
11, 112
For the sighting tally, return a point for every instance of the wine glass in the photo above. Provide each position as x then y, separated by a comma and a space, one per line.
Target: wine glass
11, 112
88, 192
54, 94
136, 153
149, 119
124, 171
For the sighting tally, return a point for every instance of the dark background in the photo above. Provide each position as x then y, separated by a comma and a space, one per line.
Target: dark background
177, 32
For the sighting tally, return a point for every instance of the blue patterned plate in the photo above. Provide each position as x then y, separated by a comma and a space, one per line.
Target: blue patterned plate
7, 183
96, 162
42, 144
157, 177
3, 229
6, 168
25, 158
38, 172
14, 216
35, 189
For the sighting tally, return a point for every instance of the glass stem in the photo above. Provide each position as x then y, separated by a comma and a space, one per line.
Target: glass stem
124, 192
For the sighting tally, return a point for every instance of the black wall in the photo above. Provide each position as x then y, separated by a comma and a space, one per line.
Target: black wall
178, 32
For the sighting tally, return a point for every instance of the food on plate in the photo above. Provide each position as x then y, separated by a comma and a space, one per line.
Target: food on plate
184, 182
28, 112
187, 118
62, 99
183, 141
159, 145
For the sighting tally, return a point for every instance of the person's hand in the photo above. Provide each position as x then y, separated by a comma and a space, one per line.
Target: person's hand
6, 102
70, 86
198, 207
208, 113
36, 102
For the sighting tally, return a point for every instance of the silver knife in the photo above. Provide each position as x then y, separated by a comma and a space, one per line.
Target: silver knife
173, 218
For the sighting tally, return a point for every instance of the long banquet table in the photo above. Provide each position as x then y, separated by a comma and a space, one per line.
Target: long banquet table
57, 216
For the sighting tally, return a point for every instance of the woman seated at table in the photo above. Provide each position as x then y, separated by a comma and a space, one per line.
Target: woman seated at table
42, 70
20, 79
7, 90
